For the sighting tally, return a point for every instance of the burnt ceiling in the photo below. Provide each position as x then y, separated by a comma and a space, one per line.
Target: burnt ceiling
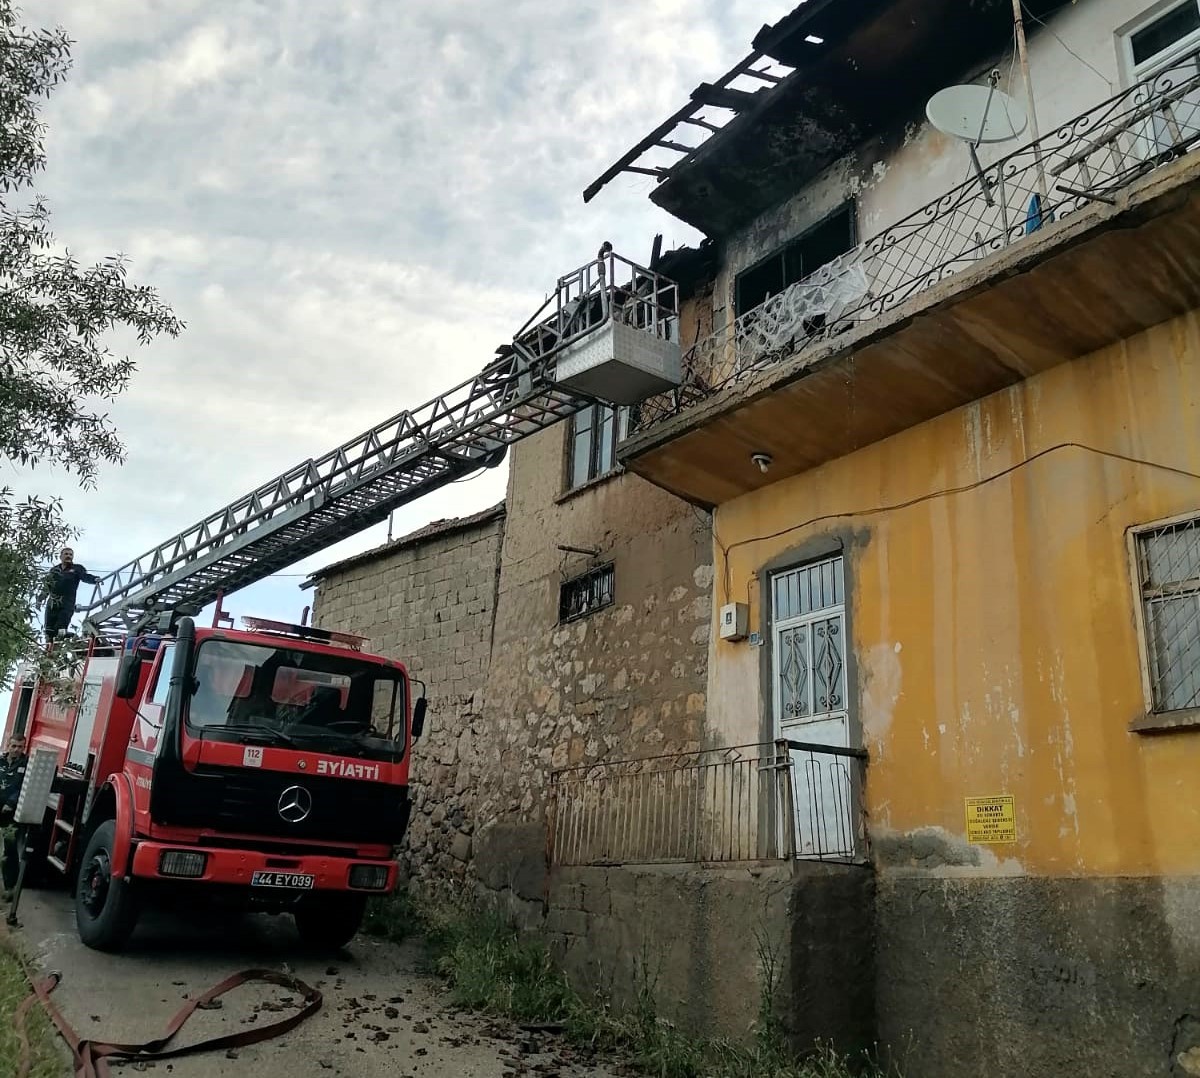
877, 63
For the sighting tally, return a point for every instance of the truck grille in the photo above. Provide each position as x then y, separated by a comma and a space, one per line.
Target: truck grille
241, 801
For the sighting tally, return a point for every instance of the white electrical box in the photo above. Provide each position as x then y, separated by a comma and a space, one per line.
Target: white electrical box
733, 621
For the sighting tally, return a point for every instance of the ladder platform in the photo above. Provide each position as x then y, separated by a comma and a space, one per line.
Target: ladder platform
609, 331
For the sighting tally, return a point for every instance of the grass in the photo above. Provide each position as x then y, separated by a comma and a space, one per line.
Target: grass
490, 967
46, 1059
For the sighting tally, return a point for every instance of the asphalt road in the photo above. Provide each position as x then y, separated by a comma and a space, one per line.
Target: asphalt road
382, 1014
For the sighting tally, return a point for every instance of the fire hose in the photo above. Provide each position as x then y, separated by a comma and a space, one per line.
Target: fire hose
91, 1057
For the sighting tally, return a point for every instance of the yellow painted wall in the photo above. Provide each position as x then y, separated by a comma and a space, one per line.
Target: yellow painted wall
994, 628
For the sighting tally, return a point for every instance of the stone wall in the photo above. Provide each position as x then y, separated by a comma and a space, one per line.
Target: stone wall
713, 945
428, 600
626, 681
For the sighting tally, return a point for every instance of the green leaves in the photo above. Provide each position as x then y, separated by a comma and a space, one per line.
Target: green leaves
56, 371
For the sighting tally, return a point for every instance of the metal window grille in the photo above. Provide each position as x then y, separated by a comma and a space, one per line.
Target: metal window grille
1169, 575
584, 595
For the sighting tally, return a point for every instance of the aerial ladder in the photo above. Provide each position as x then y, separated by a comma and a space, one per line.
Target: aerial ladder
609, 332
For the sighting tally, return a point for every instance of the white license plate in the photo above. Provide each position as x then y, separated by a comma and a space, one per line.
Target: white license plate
298, 881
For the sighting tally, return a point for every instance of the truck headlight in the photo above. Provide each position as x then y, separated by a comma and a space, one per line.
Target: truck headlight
369, 877
186, 863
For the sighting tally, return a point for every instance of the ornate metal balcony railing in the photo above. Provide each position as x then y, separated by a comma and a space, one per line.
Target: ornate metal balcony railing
746, 803
1083, 162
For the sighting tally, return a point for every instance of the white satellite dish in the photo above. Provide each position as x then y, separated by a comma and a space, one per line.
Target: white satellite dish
976, 114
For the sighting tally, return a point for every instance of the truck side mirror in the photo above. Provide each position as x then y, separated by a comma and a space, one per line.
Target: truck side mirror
127, 677
418, 718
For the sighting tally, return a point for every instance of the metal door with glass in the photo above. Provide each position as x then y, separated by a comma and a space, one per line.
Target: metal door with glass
809, 678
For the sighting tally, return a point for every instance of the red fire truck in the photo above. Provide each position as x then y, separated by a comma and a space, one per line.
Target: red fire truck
264, 768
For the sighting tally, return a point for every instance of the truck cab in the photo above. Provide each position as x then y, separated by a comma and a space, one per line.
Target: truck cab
265, 768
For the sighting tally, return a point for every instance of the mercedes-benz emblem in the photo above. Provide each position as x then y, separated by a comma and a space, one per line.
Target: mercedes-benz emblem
295, 803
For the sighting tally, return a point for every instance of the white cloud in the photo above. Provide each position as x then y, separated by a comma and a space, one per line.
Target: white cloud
351, 205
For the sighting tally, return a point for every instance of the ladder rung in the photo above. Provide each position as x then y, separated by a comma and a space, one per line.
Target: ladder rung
57, 863
65, 825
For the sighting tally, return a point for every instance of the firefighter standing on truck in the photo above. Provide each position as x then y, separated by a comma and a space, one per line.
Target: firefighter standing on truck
59, 589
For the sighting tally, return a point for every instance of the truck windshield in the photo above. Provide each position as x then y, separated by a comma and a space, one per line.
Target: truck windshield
297, 697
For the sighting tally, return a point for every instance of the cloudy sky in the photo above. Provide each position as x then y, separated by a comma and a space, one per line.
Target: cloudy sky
350, 203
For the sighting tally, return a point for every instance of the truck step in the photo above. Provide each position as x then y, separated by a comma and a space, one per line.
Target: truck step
65, 825
57, 863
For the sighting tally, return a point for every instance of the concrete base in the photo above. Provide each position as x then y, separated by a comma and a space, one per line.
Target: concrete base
709, 945
1036, 978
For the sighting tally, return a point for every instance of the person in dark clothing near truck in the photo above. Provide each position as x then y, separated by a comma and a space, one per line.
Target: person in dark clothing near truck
12, 774
59, 589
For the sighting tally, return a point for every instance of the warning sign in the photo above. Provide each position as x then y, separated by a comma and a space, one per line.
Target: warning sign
991, 819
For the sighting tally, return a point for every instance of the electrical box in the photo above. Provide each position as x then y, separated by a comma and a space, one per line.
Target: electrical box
733, 621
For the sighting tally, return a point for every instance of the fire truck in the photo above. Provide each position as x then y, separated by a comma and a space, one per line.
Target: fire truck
267, 767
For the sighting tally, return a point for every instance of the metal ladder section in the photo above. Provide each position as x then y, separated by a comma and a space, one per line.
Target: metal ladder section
324, 500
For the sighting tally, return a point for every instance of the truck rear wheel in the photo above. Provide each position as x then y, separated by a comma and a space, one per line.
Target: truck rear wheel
105, 905
329, 922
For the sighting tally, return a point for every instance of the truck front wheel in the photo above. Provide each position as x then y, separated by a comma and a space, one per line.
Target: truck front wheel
329, 922
105, 905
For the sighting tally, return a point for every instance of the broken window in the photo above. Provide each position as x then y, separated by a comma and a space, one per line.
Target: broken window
594, 434
798, 259
587, 593
1168, 575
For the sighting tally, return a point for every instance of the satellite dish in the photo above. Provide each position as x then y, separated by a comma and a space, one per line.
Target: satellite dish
976, 114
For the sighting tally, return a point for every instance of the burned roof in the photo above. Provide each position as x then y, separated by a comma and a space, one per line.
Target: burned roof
818, 83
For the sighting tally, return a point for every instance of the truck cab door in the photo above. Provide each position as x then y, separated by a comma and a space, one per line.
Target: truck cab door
150, 713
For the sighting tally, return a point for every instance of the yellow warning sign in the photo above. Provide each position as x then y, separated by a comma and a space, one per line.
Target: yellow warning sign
991, 819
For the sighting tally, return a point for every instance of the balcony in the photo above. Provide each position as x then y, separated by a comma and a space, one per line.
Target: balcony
782, 801
1068, 244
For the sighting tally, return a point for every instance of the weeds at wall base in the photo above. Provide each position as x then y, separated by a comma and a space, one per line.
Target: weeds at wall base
489, 966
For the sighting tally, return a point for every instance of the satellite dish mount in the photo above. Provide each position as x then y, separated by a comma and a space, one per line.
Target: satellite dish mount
976, 114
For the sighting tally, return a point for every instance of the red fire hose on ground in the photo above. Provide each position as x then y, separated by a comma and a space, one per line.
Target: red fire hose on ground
91, 1057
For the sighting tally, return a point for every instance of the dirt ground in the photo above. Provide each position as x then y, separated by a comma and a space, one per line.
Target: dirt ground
382, 1015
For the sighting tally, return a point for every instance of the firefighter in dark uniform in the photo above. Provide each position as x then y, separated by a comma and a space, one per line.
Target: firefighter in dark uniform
60, 587
12, 774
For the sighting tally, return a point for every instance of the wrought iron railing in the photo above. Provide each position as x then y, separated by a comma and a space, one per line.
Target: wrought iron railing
1082, 162
746, 803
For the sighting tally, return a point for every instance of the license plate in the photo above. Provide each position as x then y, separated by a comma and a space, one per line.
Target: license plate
297, 881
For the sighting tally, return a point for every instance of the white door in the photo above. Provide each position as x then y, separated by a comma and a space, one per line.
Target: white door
1162, 51
809, 677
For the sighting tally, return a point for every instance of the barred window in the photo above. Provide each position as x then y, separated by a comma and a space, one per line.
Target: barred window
1168, 565
586, 594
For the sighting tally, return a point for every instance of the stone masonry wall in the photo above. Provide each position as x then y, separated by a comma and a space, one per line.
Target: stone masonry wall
428, 600
626, 681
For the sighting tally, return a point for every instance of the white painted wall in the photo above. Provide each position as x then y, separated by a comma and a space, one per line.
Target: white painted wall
922, 164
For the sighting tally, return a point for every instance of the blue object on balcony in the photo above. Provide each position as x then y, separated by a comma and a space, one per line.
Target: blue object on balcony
1034, 217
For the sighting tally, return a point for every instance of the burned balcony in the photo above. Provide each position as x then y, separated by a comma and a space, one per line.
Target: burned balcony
1072, 242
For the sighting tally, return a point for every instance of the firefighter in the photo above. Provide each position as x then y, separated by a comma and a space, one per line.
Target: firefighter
12, 773
59, 589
